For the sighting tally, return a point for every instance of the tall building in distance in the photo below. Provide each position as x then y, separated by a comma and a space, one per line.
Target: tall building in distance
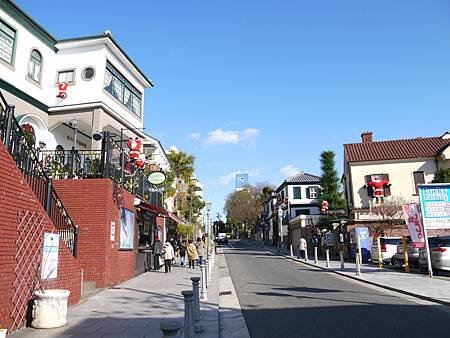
241, 181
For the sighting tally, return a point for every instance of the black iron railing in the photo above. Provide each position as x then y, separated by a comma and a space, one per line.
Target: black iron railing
26, 158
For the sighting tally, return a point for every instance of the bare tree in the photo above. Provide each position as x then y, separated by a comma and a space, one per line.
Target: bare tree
389, 216
243, 207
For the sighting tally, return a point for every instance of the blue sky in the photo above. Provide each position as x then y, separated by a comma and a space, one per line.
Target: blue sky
264, 86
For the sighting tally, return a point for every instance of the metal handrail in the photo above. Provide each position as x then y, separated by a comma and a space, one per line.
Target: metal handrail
26, 158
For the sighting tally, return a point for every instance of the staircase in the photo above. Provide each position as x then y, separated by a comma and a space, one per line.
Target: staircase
25, 156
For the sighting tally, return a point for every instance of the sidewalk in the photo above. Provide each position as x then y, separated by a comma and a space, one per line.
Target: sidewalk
136, 308
419, 286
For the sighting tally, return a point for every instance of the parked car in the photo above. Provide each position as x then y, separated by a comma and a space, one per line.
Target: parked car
440, 254
388, 249
413, 254
221, 240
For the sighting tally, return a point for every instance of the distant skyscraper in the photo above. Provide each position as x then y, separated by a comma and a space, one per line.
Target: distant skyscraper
241, 181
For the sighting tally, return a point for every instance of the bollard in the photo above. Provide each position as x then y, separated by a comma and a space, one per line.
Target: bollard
327, 253
306, 254
292, 251
209, 264
380, 257
188, 330
206, 273
203, 295
358, 265
170, 328
341, 257
195, 283
316, 259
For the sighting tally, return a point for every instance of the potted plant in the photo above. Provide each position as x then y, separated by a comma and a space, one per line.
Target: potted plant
49, 305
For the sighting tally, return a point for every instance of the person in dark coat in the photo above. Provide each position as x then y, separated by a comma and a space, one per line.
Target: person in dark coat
157, 250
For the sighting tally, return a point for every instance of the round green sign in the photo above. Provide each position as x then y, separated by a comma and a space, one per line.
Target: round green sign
157, 177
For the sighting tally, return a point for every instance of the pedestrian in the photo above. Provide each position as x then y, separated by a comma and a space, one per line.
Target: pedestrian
192, 254
168, 255
200, 250
301, 244
157, 251
183, 253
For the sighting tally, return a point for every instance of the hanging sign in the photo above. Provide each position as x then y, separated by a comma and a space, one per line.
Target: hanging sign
50, 256
435, 203
157, 177
414, 224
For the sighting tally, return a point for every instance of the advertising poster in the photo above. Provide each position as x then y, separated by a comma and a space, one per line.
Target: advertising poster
126, 229
414, 224
50, 256
435, 203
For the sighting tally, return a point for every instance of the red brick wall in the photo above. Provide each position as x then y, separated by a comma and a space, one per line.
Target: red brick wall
93, 204
17, 196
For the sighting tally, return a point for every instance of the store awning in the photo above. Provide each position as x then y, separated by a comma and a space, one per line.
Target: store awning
159, 211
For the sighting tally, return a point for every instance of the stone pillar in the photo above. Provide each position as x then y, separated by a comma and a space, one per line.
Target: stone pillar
195, 288
188, 330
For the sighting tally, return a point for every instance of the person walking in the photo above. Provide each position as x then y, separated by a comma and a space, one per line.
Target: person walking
301, 244
192, 253
168, 256
183, 253
157, 250
200, 250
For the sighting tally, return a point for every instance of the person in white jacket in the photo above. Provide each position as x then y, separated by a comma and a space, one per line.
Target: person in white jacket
168, 254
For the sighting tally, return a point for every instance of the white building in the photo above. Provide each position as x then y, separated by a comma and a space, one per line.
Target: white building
403, 163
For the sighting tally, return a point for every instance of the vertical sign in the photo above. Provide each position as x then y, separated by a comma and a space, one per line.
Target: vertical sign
435, 202
414, 224
50, 256
113, 231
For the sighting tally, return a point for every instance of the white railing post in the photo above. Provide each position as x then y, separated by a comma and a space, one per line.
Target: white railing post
358, 265
316, 258
327, 252
203, 295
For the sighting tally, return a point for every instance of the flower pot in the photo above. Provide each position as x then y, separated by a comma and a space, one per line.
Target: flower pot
3, 333
50, 309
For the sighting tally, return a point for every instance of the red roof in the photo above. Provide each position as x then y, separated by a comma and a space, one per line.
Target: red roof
397, 149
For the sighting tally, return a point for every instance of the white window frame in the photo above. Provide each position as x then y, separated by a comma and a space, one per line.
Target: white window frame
66, 71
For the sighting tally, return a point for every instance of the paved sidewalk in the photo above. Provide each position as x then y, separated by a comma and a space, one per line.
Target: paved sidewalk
136, 308
416, 285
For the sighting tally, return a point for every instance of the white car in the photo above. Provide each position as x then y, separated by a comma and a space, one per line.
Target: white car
388, 249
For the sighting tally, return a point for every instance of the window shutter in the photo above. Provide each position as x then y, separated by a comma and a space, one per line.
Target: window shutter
419, 178
387, 190
308, 193
369, 189
319, 192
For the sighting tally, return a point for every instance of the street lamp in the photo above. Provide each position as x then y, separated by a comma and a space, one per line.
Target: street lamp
280, 225
207, 225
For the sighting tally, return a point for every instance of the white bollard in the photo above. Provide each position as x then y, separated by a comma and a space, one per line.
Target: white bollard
203, 295
292, 251
358, 265
316, 258
188, 330
327, 252
306, 254
208, 263
341, 256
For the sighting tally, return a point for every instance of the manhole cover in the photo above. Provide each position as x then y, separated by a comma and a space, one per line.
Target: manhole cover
224, 293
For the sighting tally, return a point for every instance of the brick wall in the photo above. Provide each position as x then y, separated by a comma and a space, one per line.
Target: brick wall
93, 204
16, 196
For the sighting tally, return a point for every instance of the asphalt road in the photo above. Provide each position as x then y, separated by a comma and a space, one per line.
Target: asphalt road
283, 298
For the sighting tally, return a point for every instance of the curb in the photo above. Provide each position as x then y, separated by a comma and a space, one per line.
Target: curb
390, 288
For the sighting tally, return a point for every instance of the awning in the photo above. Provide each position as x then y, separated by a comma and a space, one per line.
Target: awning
159, 211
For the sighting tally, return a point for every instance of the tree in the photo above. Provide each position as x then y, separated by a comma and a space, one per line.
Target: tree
442, 176
263, 190
329, 182
185, 230
181, 170
390, 216
244, 207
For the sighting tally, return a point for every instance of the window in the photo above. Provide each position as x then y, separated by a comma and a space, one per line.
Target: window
34, 65
297, 193
313, 192
66, 76
122, 90
7, 38
419, 178
88, 73
302, 212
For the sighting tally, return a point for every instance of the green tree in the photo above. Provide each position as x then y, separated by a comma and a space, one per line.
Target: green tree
329, 182
181, 170
442, 176
243, 207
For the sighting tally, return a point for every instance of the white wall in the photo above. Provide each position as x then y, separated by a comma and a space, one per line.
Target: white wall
400, 176
303, 195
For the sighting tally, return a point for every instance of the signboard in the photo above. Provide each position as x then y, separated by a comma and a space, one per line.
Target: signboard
113, 231
414, 224
126, 229
157, 177
435, 203
329, 239
50, 256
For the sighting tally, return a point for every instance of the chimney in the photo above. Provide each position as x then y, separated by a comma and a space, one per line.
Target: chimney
366, 137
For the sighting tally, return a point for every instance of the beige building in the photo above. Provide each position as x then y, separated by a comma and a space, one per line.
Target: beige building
381, 171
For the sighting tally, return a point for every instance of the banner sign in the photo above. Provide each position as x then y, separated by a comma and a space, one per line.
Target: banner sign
435, 203
414, 224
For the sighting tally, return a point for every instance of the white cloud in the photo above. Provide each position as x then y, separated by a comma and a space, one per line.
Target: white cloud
289, 170
220, 136
194, 136
226, 179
